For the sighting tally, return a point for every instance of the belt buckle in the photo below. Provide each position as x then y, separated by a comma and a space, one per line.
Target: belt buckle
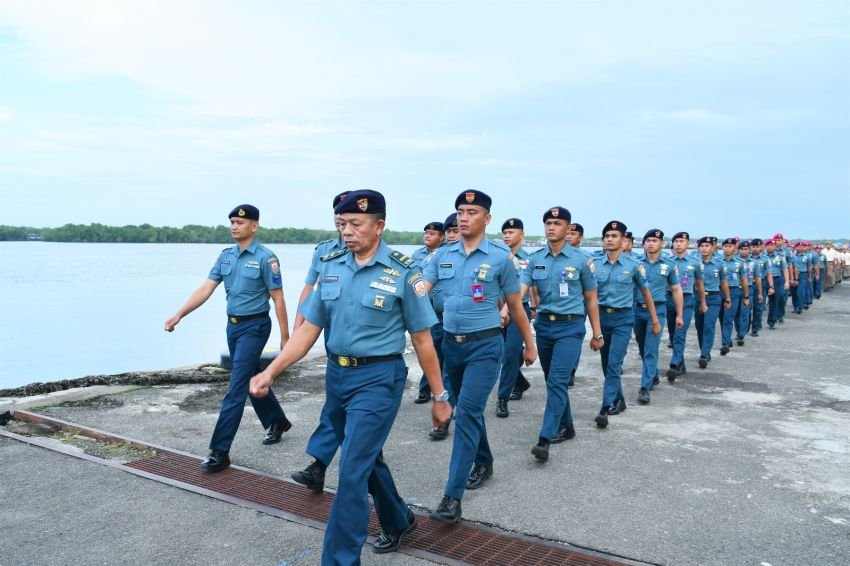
345, 361
552, 317
234, 320
609, 310
460, 338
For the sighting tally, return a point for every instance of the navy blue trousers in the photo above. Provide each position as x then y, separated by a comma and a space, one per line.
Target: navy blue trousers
729, 315
437, 333
776, 301
472, 369
617, 331
706, 323
361, 404
245, 341
648, 343
680, 335
512, 358
558, 345
757, 317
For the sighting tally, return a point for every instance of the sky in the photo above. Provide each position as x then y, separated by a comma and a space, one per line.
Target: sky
717, 117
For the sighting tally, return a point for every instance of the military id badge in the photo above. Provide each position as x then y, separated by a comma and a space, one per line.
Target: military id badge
685, 280
564, 289
478, 292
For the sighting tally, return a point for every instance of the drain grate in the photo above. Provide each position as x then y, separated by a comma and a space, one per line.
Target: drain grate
464, 542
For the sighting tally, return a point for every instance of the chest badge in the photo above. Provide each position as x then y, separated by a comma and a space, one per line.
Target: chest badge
379, 301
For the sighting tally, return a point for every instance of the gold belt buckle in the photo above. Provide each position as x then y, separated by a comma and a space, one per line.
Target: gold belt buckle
609, 310
552, 317
460, 339
346, 361
234, 320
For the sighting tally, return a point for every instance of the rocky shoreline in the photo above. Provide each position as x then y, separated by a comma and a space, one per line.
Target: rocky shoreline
205, 373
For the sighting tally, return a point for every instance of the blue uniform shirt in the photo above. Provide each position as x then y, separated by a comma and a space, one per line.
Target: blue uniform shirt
800, 261
323, 249
690, 269
520, 259
713, 272
380, 300
763, 263
248, 277
617, 281
659, 275
488, 268
734, 271
777, 263
420, 256
550, 272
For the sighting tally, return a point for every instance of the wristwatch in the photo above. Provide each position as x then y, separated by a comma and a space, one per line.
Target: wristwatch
443, 397
600, 337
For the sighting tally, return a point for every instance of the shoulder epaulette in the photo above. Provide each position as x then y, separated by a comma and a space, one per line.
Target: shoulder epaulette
399, 257
336, 254
323, 242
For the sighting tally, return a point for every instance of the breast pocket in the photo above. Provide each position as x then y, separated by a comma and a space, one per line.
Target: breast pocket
445, 273
329, 292
226, 268
251, 272
377, 307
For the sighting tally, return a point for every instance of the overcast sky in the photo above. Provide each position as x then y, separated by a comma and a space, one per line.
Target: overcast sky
717, 117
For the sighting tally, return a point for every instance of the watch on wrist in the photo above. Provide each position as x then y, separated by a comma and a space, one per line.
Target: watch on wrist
600, 337
442, 397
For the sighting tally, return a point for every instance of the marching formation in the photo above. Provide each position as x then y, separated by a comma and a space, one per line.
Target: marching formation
476, 310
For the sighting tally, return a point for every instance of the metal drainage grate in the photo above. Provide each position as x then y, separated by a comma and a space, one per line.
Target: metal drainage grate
464, 542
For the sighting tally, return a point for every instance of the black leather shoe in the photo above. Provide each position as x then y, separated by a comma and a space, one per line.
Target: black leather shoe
703, 363
502, 409
313, 476
740, 341
754, 334
479, 474
276, 431
724, 350
564, 434
448, 511
422, 398
216, 461
602, 418
655, 381
389, 542
541, 450
672, 374
643, 396
670, 344
572, 379
516, 395
618, 407
439, 432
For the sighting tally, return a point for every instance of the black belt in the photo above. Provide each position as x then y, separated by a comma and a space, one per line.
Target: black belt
352, 362
464, 338
657, 303
712, 292
553, 317
612, 310
236, 319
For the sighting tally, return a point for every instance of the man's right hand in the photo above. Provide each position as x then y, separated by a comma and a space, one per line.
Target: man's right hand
441, 412
171, 323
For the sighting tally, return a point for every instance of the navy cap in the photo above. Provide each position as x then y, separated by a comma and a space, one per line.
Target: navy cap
713, 239
706, 240
733, 241
246, 211
558, 213
683, 235
576, 227
512, 223
338, 198
438, 226
744, 244
451, 221
474, 197
629, 235
654, 233
366, 202
756, 242
614, 225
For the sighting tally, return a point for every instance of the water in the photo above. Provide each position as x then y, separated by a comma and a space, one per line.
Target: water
71, 310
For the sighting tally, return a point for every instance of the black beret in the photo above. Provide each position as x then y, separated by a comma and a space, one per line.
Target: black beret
338, 198
246, 211
614, 225
713, 239
706, 240
451, 221
514, 223
558, 213
629, 235
438, 226
474, 197
683, 235
733, 241
654, 233
756, 242
744, 244
366, 201
576, 227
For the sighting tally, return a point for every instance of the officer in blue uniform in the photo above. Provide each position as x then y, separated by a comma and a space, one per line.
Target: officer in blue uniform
799, 282
753, 275
628, 244
432, 236
617, 276
661, 274
513, 236
821, 259
368, 296
251, 275
323, 443
693, 296
475, 273
767, 285
575, 234
714, 281
566, 287
739, 293
778, 266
